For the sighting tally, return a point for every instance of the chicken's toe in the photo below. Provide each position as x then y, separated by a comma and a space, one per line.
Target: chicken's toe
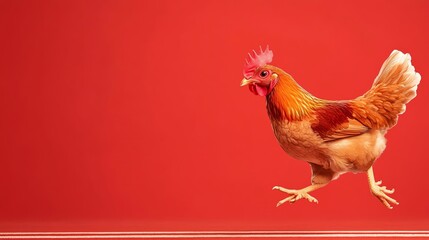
295, 195
381, 193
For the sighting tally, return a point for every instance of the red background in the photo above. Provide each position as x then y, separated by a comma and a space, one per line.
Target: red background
128, 115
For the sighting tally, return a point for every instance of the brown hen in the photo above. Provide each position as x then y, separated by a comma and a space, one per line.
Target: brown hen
334, 137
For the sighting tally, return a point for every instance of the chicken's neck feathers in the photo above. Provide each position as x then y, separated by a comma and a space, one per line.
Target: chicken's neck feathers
289, 101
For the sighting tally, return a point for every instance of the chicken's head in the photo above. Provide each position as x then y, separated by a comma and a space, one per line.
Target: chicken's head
259, 76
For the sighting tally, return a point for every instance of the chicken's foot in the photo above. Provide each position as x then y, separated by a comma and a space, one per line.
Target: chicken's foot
380, 191
296, 195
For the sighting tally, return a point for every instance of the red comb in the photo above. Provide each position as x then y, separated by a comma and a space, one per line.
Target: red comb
255, 61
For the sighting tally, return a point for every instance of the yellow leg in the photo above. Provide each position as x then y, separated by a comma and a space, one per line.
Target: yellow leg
296, 195
380, 191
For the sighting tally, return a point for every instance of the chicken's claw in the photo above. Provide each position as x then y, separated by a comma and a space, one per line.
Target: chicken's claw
381, 193
295, 195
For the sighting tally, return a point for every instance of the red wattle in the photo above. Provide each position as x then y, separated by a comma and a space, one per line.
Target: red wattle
262, 91
258, 90
253, 89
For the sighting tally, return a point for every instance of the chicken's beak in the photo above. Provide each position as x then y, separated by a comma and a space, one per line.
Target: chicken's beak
245, 82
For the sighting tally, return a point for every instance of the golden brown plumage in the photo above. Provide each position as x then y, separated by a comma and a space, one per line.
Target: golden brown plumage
334, 136
395, 86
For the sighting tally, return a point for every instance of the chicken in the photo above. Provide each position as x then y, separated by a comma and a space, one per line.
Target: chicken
334, 137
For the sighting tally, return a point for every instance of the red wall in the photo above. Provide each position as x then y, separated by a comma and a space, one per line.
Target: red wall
128, 115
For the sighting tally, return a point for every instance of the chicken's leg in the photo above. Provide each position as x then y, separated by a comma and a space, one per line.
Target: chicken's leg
295, 195
380, 191
321, 176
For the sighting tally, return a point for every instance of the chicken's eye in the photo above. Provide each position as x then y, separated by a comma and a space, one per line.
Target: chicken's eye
263, 73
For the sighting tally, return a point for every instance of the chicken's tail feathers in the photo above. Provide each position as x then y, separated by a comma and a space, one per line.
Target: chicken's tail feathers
395, 86
398, 70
